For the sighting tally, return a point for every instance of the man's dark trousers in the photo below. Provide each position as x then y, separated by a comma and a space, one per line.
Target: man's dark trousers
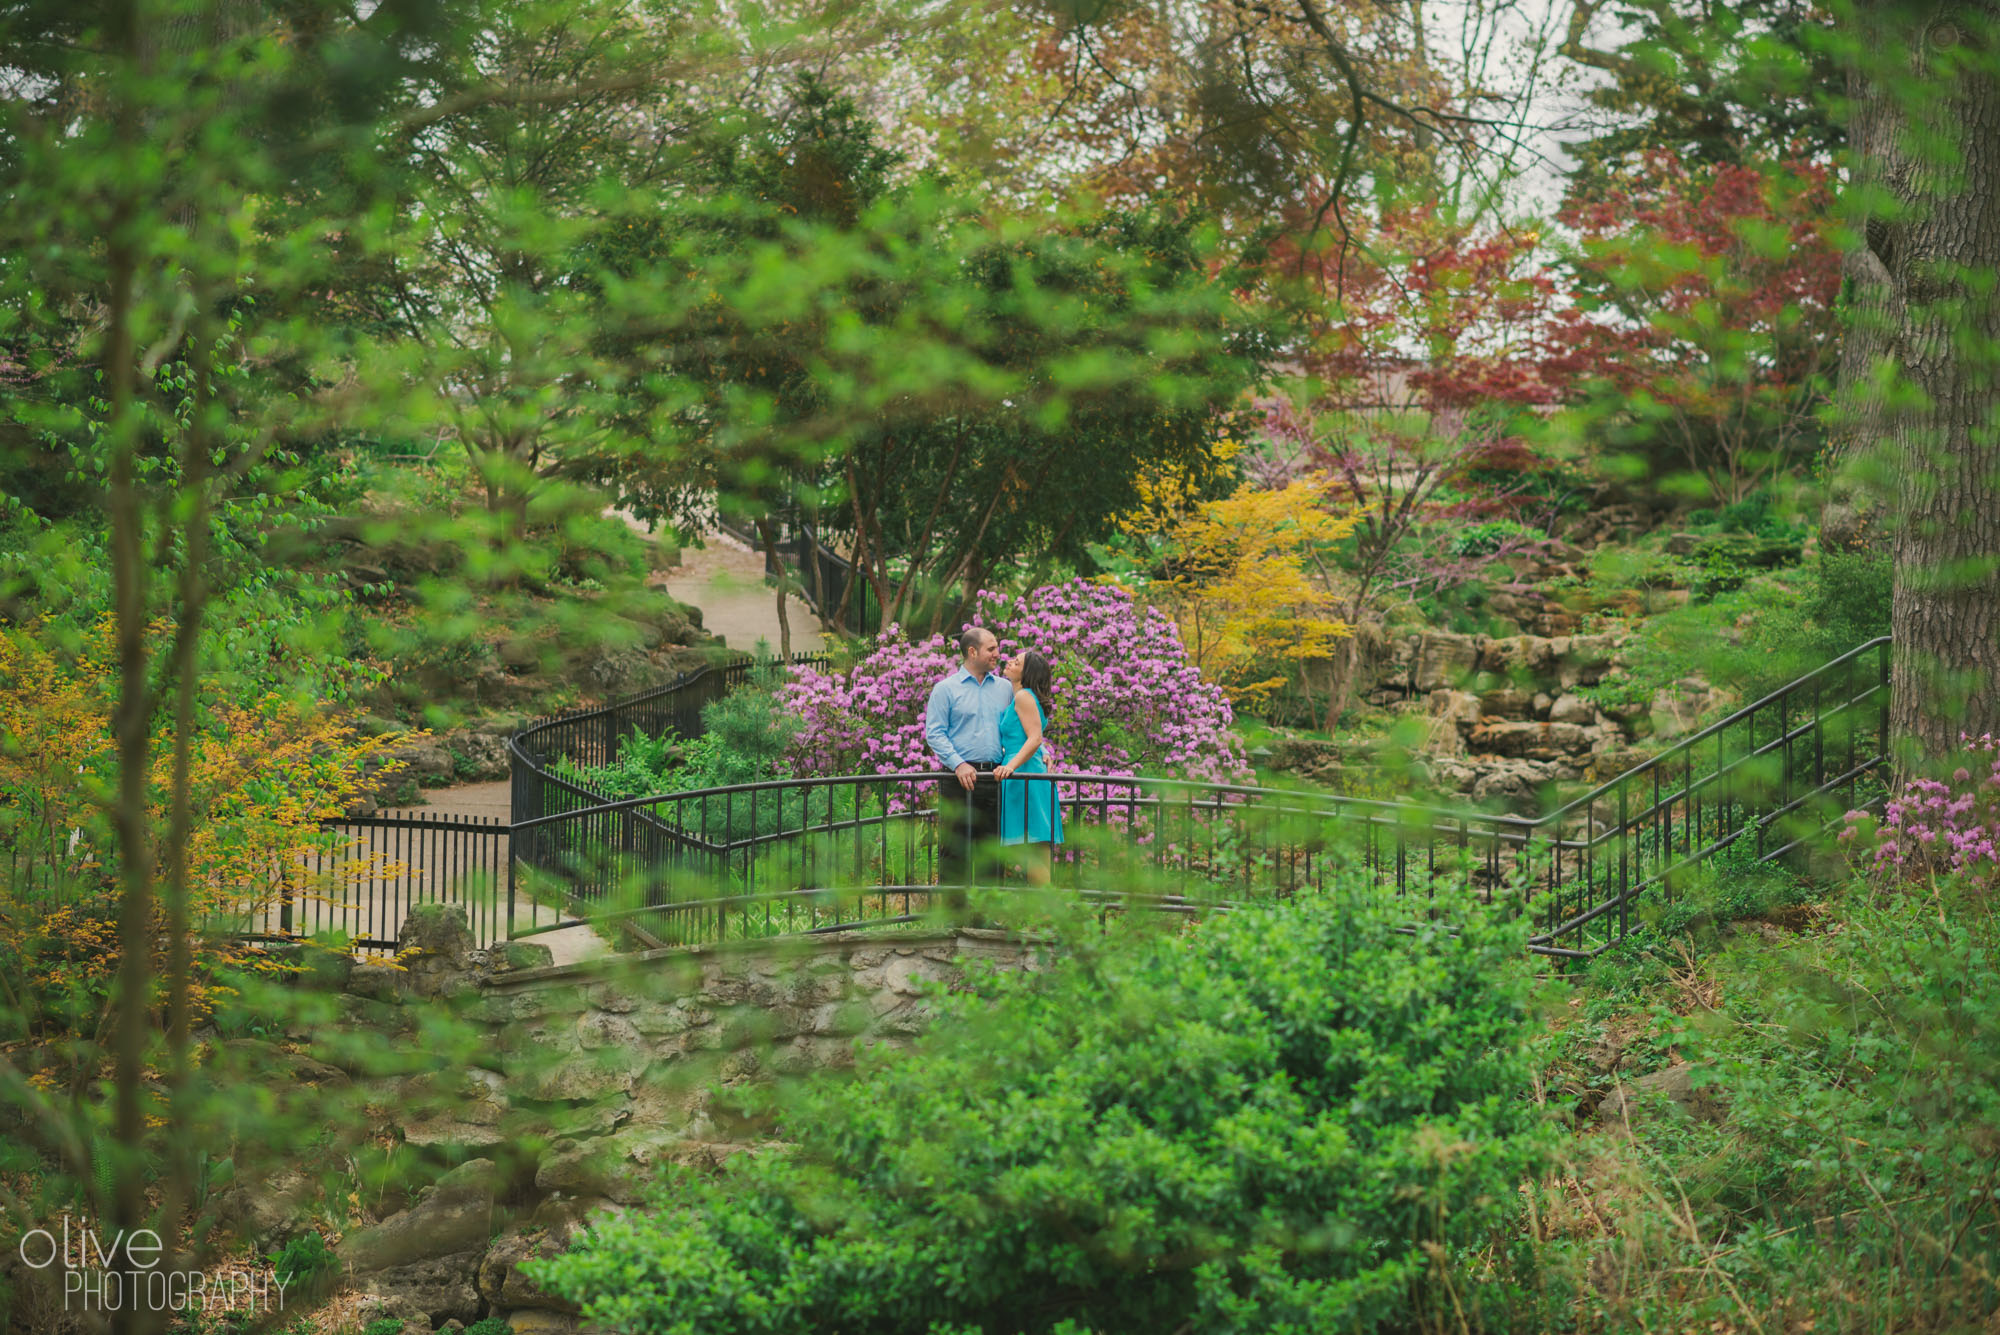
965, 822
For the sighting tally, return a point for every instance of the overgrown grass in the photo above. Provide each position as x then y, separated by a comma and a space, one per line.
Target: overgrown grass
1827, 1153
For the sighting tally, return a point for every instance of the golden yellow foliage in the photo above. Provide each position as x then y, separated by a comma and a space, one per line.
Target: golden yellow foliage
1168, 492
262, 775
1241, 589
53, 731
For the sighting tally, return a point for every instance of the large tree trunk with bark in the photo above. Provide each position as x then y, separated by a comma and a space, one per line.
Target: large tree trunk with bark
1851, 517
1938, 157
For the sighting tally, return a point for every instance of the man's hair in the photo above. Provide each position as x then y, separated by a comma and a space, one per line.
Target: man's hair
969, 638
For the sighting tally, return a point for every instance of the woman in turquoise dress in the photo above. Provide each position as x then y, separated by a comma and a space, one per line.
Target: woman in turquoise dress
1030, 810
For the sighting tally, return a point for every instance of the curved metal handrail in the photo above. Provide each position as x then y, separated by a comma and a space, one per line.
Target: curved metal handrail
1580, 884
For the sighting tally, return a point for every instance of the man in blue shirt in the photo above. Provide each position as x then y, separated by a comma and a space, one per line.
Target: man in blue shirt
962, 727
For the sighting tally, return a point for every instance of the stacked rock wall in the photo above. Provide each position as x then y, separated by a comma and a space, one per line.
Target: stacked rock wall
590, 1079
1503, 716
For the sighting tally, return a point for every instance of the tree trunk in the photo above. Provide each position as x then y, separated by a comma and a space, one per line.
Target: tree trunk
1938, 156
1851, 517
768, 530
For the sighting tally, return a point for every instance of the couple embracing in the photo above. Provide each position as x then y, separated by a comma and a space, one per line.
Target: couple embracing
985, 726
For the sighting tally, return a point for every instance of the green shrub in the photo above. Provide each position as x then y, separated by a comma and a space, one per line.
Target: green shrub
1303, 1117
1756, 515
1486, 538
1732, 887
1788, 627
303, 1260
745, 735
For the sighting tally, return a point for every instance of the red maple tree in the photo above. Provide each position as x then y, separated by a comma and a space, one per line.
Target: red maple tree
1701, 318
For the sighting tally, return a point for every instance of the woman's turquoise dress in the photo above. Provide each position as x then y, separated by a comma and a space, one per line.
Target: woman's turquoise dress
1030, 811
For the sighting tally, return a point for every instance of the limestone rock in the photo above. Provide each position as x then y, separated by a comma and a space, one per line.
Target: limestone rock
575, 1168
467, 1110
1516, 784
584, 1076
656, 1019
1533, 741
1442, 659
1613, 761
425, 760
602, 1029
501, 1005
909, 976
1505, 702
1674, 1084
519, 956
611, 997
442, 1288
567, 1213
438, 932
621, 671
1517, 657
502, 1284
456, 1214
1573, 709
268, 1207
378, 982
616, 1166
1582, 660
479, 755
541, 1321
1304, 756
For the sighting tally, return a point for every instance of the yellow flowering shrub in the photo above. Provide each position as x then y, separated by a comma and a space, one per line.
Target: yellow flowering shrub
262, 775
1245, 587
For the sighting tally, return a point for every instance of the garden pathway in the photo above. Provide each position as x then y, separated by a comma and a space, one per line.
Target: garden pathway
494, 800
725, 579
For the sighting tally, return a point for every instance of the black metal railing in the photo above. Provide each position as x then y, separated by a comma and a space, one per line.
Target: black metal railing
823, 854
826, 853
591, 737
1758, 784
356, 879
829, 853
370, 872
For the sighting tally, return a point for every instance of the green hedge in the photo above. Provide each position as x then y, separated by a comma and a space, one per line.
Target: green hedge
1300, 1117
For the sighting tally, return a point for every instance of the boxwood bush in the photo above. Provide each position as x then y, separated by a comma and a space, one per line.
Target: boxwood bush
1303, 1116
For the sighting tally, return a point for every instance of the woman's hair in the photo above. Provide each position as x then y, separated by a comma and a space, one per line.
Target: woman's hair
1035, 675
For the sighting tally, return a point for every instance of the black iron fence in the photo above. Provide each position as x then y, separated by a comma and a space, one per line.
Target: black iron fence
1757, 785
827, 853
364, 879
591, 738
356, 879
801, 855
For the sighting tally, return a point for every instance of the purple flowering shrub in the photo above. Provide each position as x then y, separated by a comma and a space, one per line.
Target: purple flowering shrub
1127, 698
1934, 826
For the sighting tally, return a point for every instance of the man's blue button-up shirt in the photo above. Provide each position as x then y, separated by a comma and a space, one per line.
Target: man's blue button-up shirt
963, 720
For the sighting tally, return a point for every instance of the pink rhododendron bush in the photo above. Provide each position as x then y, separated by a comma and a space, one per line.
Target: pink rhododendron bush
1127, 699
1935, 826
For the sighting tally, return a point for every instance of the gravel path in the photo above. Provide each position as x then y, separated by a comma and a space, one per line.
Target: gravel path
725, 579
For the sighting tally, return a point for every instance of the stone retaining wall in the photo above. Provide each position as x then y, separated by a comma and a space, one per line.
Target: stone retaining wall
593, 1076
1503, 715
